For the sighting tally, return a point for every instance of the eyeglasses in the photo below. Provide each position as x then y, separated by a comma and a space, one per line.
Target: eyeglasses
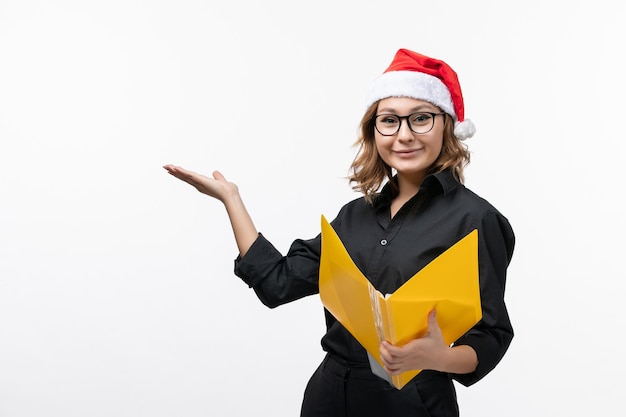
420, 123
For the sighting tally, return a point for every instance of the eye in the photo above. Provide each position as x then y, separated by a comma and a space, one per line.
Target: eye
388, 119
421, 118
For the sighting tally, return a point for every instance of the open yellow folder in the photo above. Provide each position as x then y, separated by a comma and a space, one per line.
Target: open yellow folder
448, 284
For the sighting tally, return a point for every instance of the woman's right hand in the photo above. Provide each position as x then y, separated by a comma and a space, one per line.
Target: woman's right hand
217, 187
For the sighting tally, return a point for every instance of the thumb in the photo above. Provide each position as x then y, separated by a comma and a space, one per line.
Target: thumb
432, 320
218, 176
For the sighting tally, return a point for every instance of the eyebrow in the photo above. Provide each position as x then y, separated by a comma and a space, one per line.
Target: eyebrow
420, 107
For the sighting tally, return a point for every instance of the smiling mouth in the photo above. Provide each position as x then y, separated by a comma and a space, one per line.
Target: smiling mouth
407, 151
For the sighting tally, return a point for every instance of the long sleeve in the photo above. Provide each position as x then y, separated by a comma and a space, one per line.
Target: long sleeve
492, 336
278, 279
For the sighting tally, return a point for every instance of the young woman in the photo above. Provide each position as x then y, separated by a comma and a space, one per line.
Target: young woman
409, 168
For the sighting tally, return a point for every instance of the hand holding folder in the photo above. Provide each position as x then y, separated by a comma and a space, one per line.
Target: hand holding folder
448, 284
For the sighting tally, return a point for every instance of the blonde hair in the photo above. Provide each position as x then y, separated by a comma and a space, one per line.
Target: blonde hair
369, 171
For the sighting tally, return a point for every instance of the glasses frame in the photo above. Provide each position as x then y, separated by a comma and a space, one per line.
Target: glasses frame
400, 118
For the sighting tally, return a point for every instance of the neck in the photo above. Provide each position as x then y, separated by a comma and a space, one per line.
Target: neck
407, 188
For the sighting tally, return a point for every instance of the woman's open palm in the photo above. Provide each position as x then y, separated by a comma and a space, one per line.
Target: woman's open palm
217, 187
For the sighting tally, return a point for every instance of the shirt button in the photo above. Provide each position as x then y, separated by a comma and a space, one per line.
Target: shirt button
383, 242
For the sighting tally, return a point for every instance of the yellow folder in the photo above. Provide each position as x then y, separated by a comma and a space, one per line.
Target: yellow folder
448, 284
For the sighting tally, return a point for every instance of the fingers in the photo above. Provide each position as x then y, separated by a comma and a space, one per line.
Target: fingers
176, 171
199, 182
391, 353
173, 169
389, 356
190, 176
169, 167
180, 173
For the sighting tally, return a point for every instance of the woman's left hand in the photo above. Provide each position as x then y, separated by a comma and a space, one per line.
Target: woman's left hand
428, 352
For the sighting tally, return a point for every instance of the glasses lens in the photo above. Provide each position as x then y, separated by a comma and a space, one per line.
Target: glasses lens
387, 124
421, 122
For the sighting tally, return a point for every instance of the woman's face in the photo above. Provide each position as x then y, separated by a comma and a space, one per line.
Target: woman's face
410, 154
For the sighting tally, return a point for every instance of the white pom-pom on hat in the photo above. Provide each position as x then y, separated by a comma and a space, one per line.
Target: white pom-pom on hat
464, 130
414, 75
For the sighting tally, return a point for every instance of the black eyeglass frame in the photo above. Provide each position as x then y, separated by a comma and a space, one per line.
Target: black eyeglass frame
400, 118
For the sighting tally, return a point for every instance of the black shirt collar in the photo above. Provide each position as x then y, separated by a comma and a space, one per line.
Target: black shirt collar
441, 182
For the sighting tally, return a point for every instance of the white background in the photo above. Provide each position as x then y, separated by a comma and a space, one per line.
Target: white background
117, 292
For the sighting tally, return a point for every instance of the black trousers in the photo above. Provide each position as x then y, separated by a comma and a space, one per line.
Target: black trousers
342, 389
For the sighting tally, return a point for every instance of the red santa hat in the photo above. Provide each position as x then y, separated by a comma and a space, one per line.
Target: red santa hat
418, 76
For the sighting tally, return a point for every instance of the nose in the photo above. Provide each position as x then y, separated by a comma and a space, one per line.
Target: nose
405, 132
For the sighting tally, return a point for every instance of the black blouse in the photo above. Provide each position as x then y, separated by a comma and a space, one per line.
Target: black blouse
389, 251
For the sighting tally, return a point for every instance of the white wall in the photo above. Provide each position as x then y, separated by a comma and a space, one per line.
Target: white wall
117, 296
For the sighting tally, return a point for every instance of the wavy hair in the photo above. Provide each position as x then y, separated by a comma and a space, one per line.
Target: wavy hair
369, 171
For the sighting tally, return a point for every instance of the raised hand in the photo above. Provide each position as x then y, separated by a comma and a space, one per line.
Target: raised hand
217, 187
